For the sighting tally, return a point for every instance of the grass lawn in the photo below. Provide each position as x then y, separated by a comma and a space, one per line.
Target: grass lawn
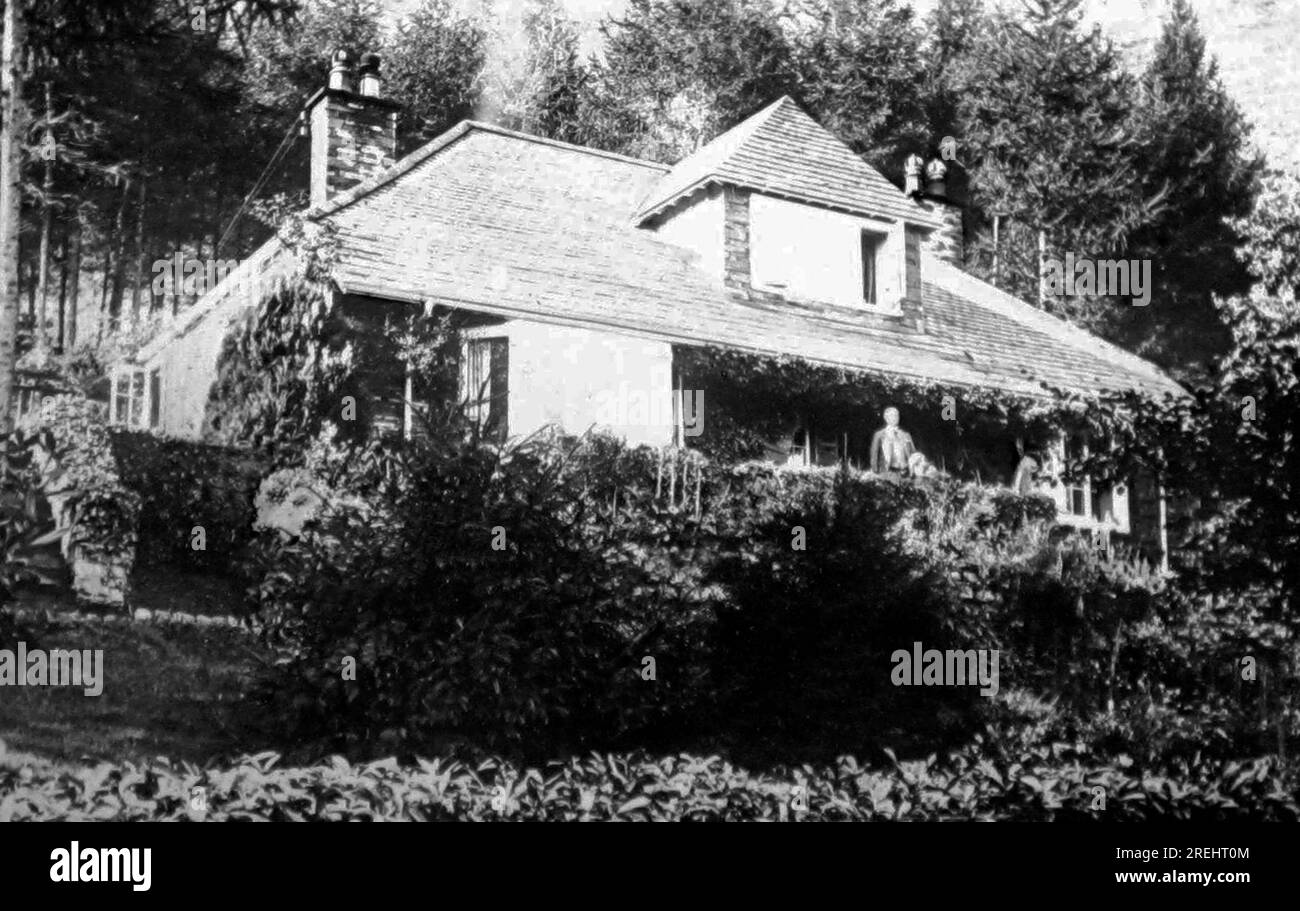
172, 690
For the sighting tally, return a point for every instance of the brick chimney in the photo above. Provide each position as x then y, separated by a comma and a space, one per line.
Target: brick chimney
948, 241
353, 128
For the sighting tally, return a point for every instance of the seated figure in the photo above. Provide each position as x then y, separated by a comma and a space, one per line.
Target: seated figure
918, 466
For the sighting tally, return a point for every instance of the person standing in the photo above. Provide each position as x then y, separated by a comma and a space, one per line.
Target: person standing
891, 447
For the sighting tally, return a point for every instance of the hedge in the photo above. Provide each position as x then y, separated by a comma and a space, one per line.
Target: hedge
183, 484
1046, 783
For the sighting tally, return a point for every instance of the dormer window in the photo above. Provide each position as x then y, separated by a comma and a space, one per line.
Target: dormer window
810, 254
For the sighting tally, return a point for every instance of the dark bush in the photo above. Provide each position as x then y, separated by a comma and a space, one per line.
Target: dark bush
607, 557
183, 485
480, 591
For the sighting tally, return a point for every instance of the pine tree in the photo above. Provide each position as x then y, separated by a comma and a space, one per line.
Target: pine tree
1193, 139
535, 79
862, 75
1044, 119
433, 62
678, 72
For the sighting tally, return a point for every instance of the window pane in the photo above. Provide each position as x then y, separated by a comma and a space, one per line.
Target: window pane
475, 390
871, 244
121, 397
155, 397
137, 398
498, 387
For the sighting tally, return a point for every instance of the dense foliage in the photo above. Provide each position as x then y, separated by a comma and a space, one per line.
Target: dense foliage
476, 590
1228, 456
183, 487
992, 780
559, 594
76, 469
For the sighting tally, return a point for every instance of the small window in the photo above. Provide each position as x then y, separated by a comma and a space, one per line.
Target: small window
121, 397
871, 244
1081, 498
155, 397
484, 384
137, 399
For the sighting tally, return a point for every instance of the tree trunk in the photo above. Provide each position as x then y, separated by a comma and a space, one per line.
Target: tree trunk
119, 261
73, 270
63, 288
12, 124
139, 258
104, 291
41, 335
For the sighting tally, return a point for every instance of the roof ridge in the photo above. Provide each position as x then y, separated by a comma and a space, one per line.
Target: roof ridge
418, 156
718, 146
571, 146
762, 153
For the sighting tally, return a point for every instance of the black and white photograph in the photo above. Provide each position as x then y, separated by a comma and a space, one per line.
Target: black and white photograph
547, 411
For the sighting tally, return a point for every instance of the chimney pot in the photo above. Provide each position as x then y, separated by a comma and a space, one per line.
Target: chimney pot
341, 71
936, 173
370, 75
912, 175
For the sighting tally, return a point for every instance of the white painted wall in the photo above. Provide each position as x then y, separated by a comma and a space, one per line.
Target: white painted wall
699, 227
188, 351
577, 378
572, 377
809, 253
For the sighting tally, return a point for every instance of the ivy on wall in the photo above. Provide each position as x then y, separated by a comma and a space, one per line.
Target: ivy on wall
752, 399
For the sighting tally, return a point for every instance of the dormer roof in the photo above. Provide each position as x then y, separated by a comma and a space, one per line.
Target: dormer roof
784, 152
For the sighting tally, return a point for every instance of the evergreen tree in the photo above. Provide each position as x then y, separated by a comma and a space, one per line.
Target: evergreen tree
862, 76
679, 72
1044, 115
535, 79
434, 59
1193, 139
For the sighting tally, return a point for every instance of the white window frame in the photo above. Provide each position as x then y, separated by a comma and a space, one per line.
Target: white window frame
1112, 502
134, 411
478, 403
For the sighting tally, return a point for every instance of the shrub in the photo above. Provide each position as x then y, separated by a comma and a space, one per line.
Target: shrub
182, 485
77, 473
1039, 782
822, 592
607, 556
479, 591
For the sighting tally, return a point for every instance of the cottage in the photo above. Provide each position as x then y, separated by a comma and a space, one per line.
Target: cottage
586, 280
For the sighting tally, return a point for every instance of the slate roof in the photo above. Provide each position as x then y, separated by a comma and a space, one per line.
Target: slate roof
509, 224
782, 151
